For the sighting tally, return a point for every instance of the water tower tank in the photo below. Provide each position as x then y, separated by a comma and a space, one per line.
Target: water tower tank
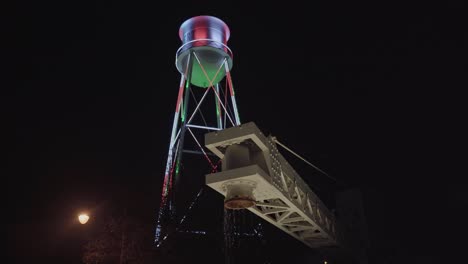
207, 37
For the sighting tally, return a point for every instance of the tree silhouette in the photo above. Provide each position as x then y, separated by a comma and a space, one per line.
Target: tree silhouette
122, 240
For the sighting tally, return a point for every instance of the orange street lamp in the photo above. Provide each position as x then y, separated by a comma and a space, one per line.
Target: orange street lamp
83, 218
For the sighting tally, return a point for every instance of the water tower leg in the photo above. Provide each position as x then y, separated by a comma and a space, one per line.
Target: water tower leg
218, 109
183, 127
231, 91
168, 193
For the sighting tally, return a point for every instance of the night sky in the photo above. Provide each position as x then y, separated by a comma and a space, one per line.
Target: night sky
359, 89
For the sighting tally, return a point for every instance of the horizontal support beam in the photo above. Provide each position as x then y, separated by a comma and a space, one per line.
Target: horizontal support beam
198, 152
203, 127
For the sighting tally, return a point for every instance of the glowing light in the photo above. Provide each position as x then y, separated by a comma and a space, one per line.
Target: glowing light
217, 109
325, 262
182, 116
83, 218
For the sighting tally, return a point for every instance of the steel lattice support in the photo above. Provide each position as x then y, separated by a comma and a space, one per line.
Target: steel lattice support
254, 169
185, 124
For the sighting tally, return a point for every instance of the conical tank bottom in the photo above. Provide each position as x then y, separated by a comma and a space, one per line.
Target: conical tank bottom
208, 66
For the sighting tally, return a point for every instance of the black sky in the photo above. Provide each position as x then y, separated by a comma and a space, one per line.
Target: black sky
357, 88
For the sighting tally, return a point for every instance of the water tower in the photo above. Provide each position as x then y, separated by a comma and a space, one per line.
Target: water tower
246, 166
204, 61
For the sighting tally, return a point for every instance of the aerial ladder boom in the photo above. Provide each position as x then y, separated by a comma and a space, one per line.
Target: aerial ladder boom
256, 177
